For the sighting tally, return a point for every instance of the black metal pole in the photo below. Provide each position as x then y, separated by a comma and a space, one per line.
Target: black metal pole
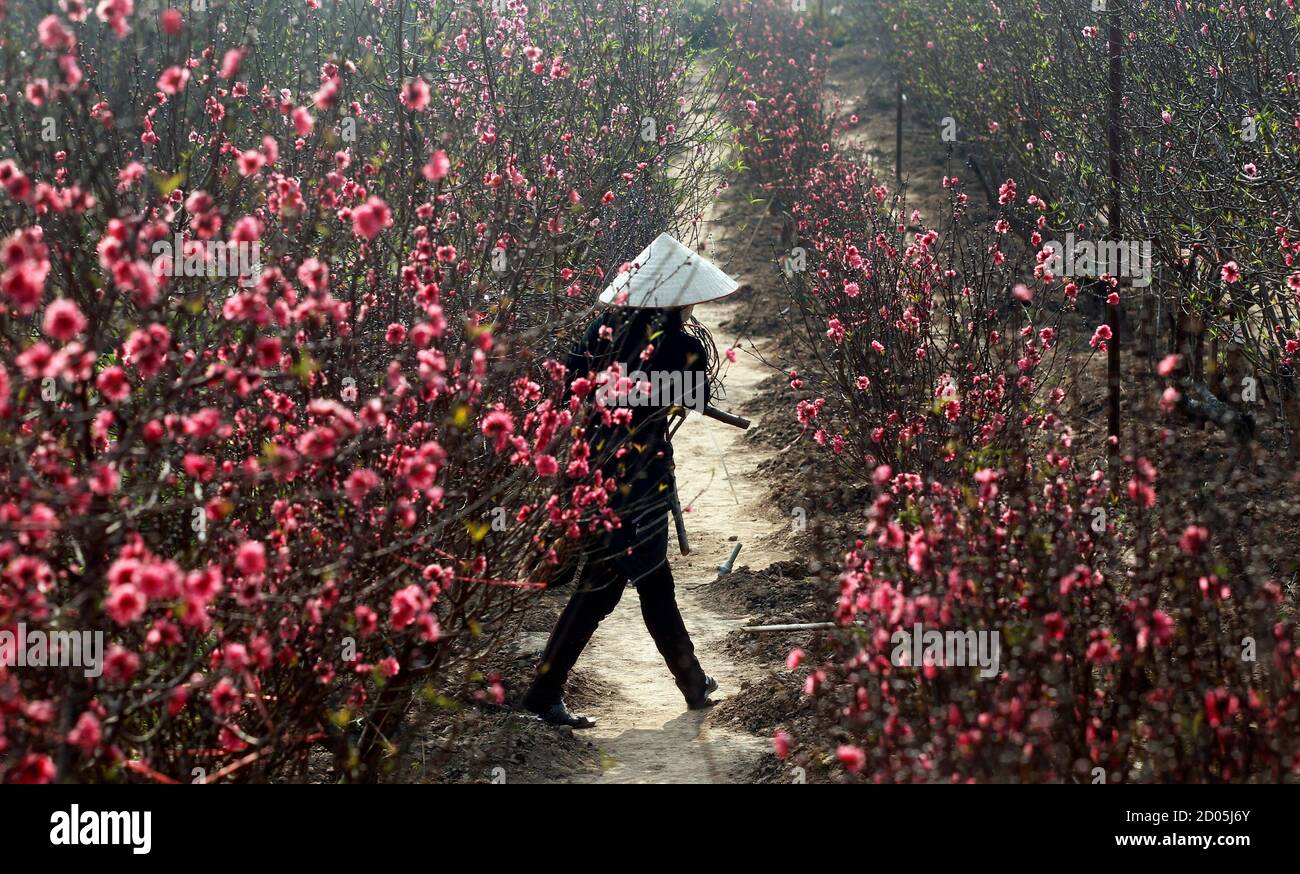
1116, 231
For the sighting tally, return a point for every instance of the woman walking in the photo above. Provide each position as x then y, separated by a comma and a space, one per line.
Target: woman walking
647, 332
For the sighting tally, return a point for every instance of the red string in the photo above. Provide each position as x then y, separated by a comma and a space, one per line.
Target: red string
140, 767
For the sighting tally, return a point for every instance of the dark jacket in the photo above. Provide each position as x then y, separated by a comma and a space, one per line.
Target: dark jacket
678, 367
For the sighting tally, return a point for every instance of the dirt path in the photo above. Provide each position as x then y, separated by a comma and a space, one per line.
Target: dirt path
644, 731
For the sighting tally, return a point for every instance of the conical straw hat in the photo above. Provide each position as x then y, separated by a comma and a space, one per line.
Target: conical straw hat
667, 274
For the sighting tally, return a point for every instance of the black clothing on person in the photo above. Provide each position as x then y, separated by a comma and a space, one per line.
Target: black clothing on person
639, 456
595, 598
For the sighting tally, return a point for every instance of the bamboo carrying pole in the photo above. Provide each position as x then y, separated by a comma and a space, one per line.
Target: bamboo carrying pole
674, 503
727, 418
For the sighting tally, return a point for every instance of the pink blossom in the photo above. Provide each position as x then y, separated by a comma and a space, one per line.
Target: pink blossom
37, 92
200, 467
125, 604
359, 484
415, 94
371, 217
86, 733
1194, 540
173, 80
497, 426
1141, 493
27, 264
367, 620
250, 559
314, 275
63, 320
34, 768
318, 444
781, 745
1169, 399
250, 162
234, 656
15, 183
226, 700
230, 63
171, 21
918, 553
105, 480
851, 757
203, 585
437, 166
114, 13
1100, 337
146, 349
408, 605
269, 350
53, 35
113, 385
129, 175
302, 121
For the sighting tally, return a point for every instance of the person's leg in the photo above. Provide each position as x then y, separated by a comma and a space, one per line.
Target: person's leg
596, 596
664, 620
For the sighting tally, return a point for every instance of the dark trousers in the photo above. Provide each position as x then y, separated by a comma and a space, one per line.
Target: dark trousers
595, 598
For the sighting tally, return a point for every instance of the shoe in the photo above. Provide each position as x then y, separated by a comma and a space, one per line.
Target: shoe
558, 714
700, 703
